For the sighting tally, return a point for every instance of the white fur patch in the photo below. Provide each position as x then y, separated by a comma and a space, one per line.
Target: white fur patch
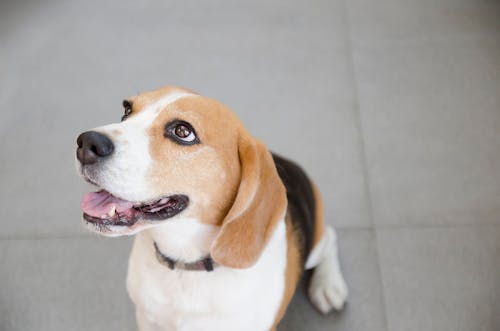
317, 253
224, 299
184, 238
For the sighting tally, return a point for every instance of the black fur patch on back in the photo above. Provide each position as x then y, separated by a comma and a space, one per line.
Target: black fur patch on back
301, 203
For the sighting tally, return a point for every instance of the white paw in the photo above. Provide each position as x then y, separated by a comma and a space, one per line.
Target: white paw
328, 289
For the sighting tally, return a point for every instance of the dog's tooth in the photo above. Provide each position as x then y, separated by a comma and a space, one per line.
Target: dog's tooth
164, 200
112, 211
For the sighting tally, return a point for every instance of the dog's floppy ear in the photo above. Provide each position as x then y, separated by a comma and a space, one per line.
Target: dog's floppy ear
259, 204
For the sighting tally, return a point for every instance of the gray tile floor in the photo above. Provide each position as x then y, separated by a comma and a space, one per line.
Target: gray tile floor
393, 107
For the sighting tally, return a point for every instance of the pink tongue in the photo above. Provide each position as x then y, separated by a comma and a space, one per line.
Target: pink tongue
99, 204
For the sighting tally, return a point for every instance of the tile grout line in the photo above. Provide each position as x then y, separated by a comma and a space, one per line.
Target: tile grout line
364, 161
416, 226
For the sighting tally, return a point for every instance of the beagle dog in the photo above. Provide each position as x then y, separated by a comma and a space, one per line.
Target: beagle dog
224, 229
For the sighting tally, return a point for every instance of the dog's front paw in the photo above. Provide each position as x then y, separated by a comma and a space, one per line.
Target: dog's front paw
328, 289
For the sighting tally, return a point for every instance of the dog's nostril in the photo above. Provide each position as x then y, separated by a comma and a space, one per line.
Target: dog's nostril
93, 145
86, 156
79, 141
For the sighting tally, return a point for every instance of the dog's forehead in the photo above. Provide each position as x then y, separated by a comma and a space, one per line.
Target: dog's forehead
146, 99
174, 102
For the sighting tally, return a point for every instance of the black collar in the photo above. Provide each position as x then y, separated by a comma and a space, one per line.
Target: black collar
205, 264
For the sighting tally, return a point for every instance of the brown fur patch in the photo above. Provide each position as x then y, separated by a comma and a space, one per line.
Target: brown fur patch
207, 172
319, 226
259, 204
116, 132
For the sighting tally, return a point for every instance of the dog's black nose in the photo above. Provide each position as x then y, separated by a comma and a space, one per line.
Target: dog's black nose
92, 146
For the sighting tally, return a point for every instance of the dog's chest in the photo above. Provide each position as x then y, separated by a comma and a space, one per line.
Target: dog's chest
224, 299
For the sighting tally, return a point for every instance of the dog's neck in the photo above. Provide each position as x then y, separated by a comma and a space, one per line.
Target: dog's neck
205, 264
183, 239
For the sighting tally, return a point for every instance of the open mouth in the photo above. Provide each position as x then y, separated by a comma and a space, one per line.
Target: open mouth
103, 209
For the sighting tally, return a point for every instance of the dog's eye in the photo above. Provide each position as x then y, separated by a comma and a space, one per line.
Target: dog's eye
184, 132
181, 132
127, 105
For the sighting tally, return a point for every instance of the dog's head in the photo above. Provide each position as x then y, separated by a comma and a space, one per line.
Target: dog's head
177, 155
